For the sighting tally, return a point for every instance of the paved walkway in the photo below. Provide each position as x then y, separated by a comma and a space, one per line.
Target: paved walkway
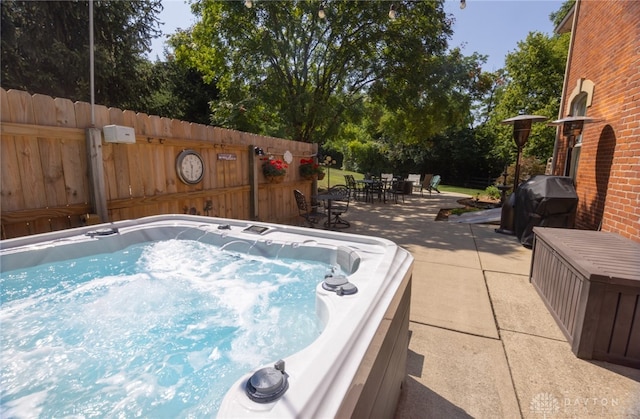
482, 342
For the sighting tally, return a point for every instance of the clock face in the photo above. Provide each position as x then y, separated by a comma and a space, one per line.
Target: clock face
190, 167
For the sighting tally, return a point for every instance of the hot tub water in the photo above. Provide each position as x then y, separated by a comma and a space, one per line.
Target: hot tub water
158, 329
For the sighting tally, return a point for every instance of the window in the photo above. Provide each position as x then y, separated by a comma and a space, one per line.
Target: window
578, 108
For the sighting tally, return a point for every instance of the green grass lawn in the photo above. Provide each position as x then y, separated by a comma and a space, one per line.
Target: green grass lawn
460, 189
336, 177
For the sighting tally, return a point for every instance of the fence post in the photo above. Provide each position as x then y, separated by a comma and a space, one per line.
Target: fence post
96, 173
253, 181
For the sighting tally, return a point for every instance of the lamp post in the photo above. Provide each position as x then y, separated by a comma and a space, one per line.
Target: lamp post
328, 161
521, 130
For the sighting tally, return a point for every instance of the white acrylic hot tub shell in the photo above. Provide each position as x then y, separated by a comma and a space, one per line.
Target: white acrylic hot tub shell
347, 362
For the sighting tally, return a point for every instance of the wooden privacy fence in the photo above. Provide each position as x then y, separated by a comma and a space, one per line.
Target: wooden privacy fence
58, 172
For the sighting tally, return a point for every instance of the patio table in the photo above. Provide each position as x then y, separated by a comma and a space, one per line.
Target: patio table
368, 184
329, 198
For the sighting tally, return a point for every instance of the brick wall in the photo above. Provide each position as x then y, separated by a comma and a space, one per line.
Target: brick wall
606, 50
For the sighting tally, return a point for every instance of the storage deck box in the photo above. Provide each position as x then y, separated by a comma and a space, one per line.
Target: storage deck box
590, 282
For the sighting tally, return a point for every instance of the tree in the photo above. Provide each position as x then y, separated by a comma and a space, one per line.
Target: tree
176, 91
284, 71
45, 48
534, 74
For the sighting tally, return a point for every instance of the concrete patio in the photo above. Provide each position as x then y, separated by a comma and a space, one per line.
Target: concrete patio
482, 343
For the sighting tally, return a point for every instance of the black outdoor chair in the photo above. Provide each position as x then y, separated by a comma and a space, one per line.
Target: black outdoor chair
396, 188
375, 189
356, 190
339, 205
307, 212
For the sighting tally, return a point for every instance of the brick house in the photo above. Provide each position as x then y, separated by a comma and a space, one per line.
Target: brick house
602, 81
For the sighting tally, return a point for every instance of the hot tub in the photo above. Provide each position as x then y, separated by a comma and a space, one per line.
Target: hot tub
357, 364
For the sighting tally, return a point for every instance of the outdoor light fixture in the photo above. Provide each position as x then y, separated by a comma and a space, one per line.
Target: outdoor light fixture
392, 12
248, 4
321, 13
463, 4
521, 130
572, 126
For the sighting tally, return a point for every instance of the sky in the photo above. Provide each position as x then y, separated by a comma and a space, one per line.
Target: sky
489, 27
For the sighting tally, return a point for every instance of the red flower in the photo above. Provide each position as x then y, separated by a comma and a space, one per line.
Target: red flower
274, 167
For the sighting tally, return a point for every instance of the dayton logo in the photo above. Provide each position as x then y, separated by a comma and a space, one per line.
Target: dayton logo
544, 404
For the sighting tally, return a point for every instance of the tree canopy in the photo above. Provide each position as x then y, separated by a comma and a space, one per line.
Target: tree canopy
534, 76
284, 71
45, 48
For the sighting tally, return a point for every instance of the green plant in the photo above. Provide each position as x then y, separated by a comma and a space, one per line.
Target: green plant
274, 167
460, 211
492, 192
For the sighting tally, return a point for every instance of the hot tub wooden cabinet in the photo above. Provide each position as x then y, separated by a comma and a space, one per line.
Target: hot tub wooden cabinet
590, 282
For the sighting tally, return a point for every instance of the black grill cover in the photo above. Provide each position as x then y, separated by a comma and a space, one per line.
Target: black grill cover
546, 201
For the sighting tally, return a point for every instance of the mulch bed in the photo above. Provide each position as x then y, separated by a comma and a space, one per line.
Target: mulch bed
468, 205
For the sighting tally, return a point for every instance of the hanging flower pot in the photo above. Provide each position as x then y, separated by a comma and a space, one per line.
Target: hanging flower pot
274, 170
275, 179
310, 170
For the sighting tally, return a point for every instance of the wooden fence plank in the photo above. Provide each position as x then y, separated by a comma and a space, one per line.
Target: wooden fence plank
74, 166
121, 154
50, 150
116, 117
65, 113
169, 160
27, 215
4, 106
12, 192
136, 173
83, 114
30, 172
10, 128
198, 132
44, 110
102, 116
130, 119
20, 107
108, 163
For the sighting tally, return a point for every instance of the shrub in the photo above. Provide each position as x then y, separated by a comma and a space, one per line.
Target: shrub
492, 192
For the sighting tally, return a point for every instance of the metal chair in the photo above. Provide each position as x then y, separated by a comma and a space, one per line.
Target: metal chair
339, 205
307, 212
396, 188
375, 188
356, 191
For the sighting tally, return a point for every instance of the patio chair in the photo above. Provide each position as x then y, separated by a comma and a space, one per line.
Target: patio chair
396, 188
433, 185
415, 179
426, 184
376, 188
339, 205
307, 212
356, 190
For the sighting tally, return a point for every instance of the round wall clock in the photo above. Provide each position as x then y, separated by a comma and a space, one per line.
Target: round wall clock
190, 167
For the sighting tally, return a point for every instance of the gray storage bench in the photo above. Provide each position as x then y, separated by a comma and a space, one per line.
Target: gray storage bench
590, 282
